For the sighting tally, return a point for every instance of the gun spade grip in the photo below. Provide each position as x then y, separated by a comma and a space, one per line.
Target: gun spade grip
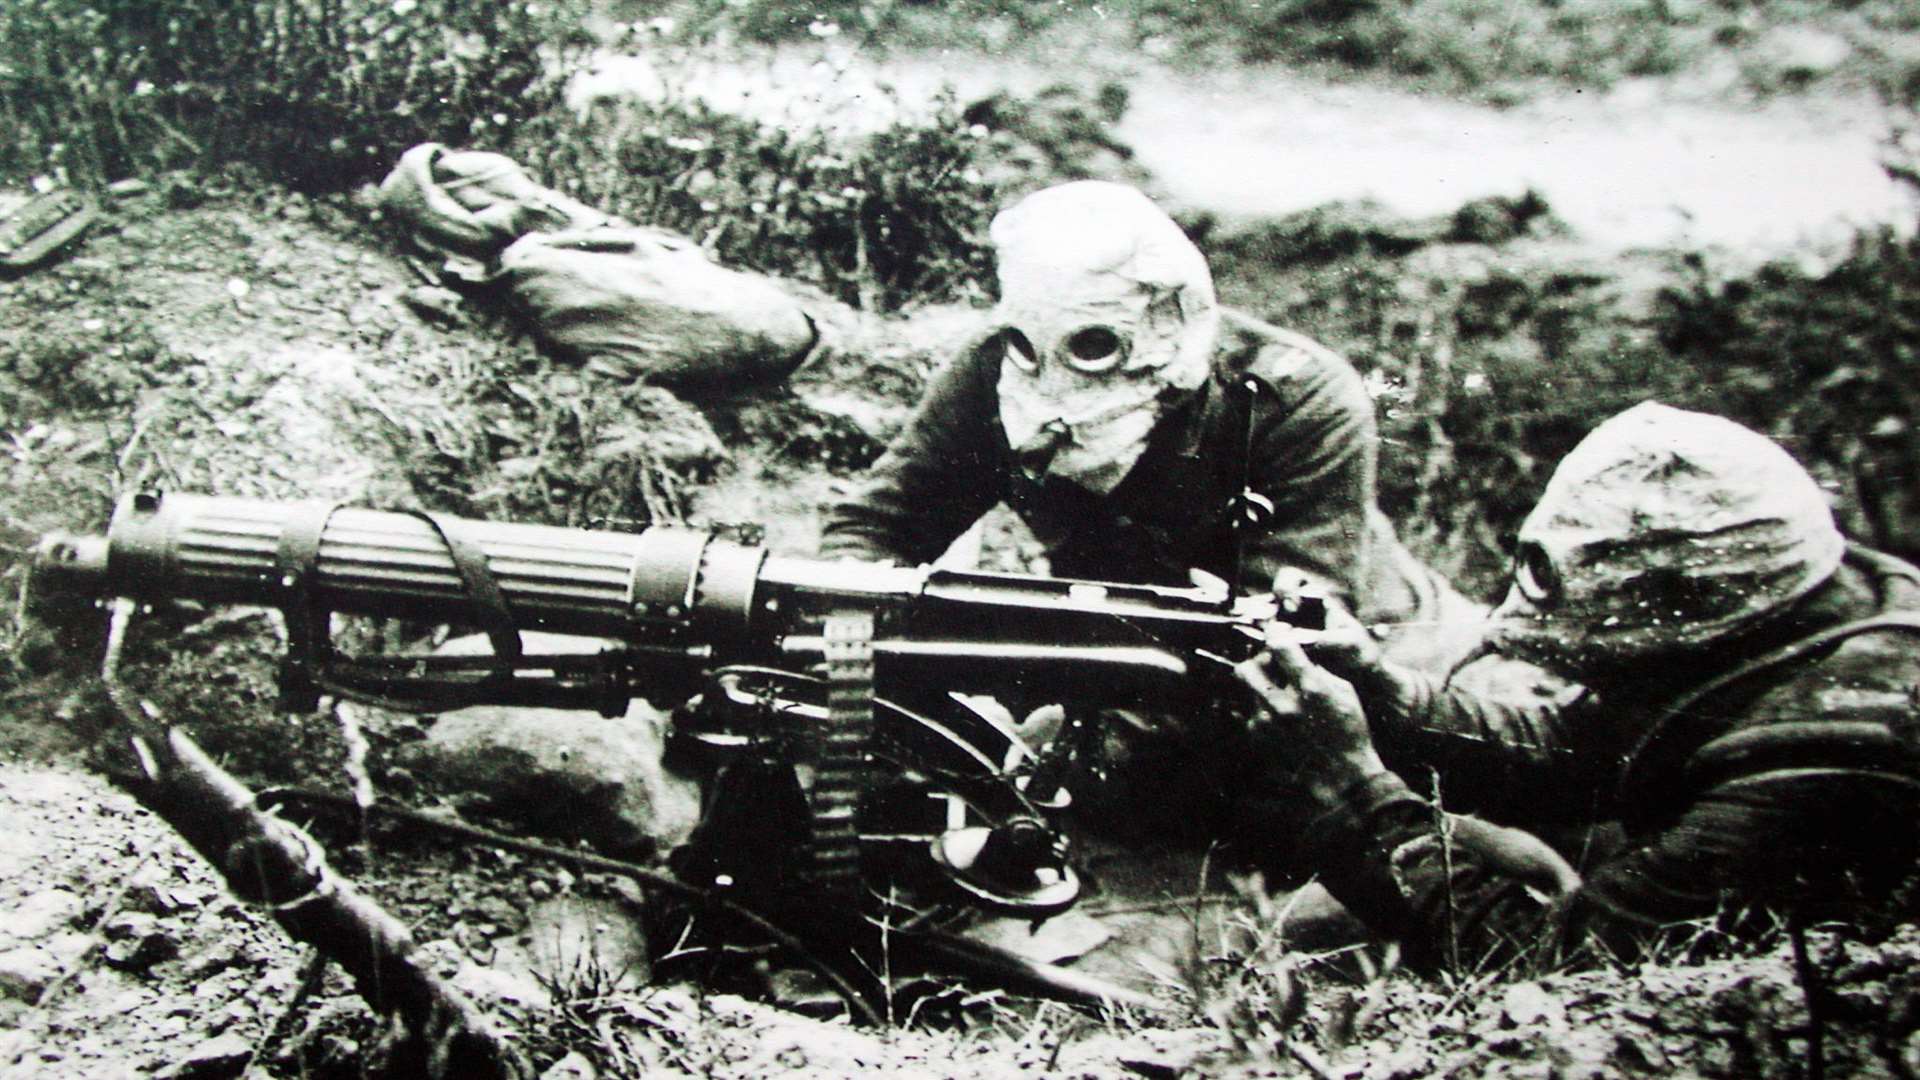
371, 562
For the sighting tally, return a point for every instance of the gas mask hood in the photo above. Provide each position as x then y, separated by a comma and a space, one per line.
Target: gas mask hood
1664, 531
1108, 313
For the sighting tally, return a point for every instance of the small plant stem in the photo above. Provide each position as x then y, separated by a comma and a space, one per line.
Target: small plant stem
1809, 986
311, 969
1309, 1059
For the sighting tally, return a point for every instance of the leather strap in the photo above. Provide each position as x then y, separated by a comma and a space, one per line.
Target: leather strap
309, 637
312, 665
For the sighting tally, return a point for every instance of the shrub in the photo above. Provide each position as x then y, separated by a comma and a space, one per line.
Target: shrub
901, 22
1485, 370
1826, 363
321, 94
1458, 44
892, 217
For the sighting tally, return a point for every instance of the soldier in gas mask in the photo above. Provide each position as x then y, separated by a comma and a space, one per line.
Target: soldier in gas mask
1141, 432
1745, 731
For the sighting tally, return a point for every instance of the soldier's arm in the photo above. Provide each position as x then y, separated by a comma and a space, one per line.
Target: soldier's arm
1312, 451
944, 469
1502, 729
1456, 892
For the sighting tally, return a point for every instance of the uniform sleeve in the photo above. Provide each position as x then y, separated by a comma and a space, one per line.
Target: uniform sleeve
1502, 733
944, 469
1455, 901
1389, 857
1313, 453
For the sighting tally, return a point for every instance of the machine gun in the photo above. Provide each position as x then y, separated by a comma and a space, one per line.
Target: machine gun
824, 703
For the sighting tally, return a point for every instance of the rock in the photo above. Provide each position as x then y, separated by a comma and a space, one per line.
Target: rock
435, 304
572, 775
1064, 937
68, 948
1149, 1053
1528, 1005
26, 971
129, 925
573, 944
803, 991
222, 1055
136, 941
574, 1066
485, 984
1639, 1051
42, 914
787, 1045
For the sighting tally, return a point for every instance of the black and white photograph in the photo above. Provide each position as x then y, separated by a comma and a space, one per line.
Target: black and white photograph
581, 539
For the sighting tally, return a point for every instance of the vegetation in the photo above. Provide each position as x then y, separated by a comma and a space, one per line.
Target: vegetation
317, 93
1486, 371
897, 216
1500, 48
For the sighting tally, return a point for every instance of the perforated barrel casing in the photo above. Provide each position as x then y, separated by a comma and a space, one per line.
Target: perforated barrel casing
373, 562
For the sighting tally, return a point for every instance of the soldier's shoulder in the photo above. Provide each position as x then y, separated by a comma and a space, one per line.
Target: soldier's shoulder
1871, 675
1259, 348
973, 360
1286, 361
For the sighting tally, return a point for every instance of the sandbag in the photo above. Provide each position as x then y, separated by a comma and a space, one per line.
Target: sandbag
459, 209
638, 304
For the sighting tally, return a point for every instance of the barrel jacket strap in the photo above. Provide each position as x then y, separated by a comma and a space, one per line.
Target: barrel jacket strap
1662, 755
309, 642
310, 664
482, 588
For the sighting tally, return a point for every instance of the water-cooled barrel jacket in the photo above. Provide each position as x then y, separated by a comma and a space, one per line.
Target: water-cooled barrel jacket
1792, 787
1309, 445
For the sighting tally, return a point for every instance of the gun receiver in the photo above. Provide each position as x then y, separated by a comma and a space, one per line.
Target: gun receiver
767, 660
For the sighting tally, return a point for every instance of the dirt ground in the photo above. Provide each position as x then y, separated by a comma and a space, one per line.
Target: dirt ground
273, 345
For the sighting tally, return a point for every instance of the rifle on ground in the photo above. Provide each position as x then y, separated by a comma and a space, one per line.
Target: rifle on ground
823, 702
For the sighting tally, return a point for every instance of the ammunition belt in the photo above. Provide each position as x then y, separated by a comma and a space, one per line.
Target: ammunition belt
841, 767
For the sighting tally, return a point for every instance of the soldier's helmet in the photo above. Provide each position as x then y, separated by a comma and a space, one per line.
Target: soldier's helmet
1663, 532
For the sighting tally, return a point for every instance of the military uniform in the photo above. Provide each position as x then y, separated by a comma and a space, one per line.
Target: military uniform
1744, 734
1305, 441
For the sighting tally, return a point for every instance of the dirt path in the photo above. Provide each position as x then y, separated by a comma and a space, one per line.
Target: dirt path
1646, 164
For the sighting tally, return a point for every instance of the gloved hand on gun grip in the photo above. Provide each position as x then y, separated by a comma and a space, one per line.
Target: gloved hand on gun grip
1345, 645
1307, 720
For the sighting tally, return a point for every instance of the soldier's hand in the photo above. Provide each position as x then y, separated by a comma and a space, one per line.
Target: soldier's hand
1346, 647
1318, 730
